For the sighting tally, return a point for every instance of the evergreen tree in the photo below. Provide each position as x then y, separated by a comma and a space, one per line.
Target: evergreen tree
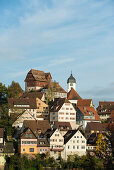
3, 94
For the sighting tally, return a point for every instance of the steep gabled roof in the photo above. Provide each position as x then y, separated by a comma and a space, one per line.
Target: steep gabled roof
89, 111
58, 104
73, 95
36, 125
28, 134
70, 134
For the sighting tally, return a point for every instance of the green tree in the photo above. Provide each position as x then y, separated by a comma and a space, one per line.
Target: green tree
3, 94
14, 90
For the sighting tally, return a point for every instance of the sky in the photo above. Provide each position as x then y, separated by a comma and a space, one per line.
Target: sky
58, 36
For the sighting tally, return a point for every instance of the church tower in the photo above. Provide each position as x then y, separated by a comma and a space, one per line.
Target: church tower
71, 83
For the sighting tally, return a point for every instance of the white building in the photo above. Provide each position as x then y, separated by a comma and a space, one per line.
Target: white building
62, 111
56, 144
20, 119
74, 143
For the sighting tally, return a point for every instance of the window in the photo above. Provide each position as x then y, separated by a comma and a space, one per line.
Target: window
73, 147
31, 149
73, 141
23, 149
56, 134
77, 136
45, 150
83, 147
77, 147
68, 147
60, 140
77, 141
83, 141
71, 84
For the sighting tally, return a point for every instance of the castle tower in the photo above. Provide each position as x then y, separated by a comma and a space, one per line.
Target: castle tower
71, 83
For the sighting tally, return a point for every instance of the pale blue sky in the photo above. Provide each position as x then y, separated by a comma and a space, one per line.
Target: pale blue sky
58, 36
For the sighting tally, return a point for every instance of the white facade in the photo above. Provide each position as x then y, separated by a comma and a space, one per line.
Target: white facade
76, 145
71, 85
19, 122
67, 113
56, 144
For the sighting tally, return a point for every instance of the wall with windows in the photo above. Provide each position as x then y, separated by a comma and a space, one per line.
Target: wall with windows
67, 113
43, 150
76, 145
56, 144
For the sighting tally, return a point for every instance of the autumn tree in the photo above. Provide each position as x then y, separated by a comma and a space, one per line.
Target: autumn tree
14, 90
103, 146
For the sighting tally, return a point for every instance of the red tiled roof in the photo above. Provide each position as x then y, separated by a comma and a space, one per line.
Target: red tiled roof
112, 114
73, 95
84, 102
89, 111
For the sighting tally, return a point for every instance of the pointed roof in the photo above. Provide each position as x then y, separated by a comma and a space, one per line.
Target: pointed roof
71, 79
58, 104
73, 95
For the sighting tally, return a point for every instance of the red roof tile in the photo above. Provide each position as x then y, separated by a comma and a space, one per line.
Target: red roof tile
73, 95
89, 111
84, 102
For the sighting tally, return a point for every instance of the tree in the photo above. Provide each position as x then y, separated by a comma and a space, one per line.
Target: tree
49, 94
3, 94
103, 146
14, 90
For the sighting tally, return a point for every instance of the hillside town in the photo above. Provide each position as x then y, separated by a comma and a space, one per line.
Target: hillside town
49, 120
